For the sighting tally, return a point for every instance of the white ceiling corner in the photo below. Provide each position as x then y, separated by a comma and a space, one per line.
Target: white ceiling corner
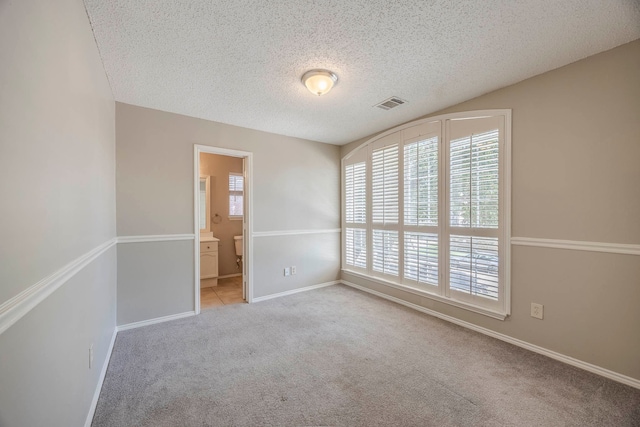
240, 62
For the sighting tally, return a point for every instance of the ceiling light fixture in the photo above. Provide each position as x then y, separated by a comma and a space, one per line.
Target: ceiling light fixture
319, 82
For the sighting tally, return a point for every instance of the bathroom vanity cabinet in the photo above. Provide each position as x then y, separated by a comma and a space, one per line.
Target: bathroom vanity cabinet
209, 262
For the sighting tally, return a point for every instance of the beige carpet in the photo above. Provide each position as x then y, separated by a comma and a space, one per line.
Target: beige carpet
339, 357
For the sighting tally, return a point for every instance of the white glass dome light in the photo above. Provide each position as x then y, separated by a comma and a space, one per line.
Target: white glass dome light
319, 82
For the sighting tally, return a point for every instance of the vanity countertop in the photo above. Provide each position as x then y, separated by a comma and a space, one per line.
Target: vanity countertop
204, 239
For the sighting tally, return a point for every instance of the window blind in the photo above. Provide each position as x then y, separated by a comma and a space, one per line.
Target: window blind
356, 247
474, 168
385, 251
421, 182
203, 204
355, 189
384, 185
457, 166
473, 265
236, 188
421, 257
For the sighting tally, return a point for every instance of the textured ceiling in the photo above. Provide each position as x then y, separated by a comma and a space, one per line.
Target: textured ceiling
240, 62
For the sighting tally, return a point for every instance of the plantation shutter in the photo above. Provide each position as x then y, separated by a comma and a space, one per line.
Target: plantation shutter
356, 247
385, 251
384, 185
474, 209
474, 167
355, 212
203, 204
236, 188
427, 207
421, 182
355, 189
385, 213
420, 209
421, 257
474, 265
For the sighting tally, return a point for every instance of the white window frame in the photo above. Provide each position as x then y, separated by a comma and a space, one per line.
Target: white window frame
412, 132
420, 131
207, 213
356, 158
236, 193
386, 142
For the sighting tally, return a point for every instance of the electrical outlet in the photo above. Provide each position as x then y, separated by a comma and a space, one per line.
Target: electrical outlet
91, 356
293, 269
537, 310
287, 271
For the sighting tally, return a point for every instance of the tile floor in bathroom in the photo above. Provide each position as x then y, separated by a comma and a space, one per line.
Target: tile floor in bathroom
228, 291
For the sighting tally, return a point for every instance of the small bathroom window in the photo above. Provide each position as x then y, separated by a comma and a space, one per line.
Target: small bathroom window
236, 199
205, 203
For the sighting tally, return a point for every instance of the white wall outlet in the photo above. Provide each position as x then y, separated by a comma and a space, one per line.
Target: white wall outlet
287, 271
293, 269
91, 356
537, 310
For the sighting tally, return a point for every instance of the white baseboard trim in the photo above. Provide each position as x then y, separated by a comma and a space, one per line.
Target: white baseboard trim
156, 320
103, 373
633, 382
155, 238
15, 308
295, 291
295, 232
226, 276
424, 294
578, 245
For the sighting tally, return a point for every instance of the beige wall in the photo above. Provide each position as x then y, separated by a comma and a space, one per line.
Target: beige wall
56, 133
44, 372
295, 187
154, 174
155, 279
218, 168
57, 192
576, 176
313, 255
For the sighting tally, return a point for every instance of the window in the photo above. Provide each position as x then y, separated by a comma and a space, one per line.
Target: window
426, 208
355, 178
356, 250
421, 182
384, 192
421, 257
421, 211
384, 210
236, 188
205, 203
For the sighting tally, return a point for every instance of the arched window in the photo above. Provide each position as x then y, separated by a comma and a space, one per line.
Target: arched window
426, 208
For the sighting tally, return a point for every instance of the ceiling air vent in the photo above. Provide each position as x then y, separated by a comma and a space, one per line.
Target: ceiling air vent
390, 103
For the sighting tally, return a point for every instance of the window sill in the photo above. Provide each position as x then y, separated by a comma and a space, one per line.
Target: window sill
425, 294
235, 218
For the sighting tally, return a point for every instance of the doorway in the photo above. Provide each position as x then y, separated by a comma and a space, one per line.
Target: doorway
222, 218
